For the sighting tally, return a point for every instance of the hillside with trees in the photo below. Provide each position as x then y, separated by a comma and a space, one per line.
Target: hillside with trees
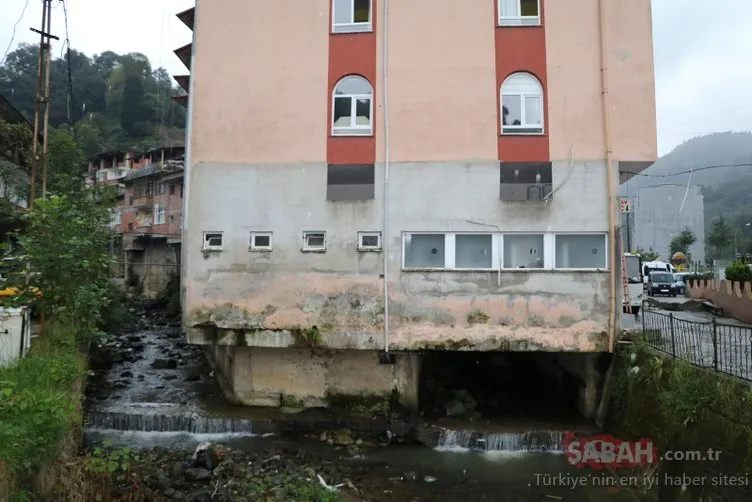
118, 101
720, 163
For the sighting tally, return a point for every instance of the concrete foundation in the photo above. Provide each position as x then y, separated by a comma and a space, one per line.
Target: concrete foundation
305, 378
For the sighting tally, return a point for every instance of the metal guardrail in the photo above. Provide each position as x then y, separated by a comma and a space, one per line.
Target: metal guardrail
723, 347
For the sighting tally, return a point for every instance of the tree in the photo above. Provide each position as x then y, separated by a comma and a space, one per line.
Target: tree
682, 242
649, 255
66, 246
66, 162
720, 238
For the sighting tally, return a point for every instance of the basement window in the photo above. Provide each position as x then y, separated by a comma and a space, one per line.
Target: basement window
314, 242
213, 241
524, 251
261, 241
369, 241
581, 251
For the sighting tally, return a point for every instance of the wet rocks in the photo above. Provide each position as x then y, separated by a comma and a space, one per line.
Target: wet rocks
197, 474
164, 364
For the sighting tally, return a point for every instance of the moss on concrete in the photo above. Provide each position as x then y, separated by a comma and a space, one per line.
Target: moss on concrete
306, 338
477, 316
535, 321
365, 403
227, 316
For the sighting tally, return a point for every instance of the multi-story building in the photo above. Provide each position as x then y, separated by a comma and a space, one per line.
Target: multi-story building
14, 162
368, 179
149, 214
661, 212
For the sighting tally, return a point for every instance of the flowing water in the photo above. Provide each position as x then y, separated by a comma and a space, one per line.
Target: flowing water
178, 405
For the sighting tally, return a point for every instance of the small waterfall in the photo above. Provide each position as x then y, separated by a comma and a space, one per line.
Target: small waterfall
533, 441
191, 423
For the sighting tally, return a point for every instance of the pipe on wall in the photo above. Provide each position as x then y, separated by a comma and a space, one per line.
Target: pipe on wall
610, 178
385, 230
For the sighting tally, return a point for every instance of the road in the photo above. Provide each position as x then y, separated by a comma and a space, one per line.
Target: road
690, 335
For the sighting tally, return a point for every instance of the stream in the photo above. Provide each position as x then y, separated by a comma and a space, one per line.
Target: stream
153, 393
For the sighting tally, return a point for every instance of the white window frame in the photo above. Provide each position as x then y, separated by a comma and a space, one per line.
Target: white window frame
450, 243
516, 21
352, 26
160, 214
548, 249
523, 96
209, 247
102, 175
362, 247
606, 252
307, 248
353, 129
116, 217
256, 247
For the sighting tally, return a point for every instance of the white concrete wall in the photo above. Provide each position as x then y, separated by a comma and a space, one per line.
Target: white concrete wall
340, 291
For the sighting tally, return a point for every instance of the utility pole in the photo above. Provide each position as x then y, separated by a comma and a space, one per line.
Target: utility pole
44, 67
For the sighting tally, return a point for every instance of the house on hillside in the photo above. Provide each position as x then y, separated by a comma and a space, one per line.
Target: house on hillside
147, 221
336, 234
15, 167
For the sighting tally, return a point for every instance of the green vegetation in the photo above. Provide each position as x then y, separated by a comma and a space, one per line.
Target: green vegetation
477, 316
63, 255
739, 272
682, 407
119, 100
681, 242
720, 239
108, 460
649, 255
38, 402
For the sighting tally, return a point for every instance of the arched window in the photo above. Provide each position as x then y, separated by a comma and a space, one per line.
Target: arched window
351, 16
352, 107
521, 105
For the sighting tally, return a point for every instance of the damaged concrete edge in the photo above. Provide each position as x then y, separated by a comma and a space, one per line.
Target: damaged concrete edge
314, 338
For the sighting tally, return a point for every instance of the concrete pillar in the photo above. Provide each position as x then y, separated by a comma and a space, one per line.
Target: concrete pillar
271, 376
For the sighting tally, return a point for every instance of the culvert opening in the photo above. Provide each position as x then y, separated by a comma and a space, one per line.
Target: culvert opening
507, 386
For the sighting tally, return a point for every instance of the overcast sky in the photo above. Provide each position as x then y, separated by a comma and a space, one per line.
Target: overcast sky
702, 52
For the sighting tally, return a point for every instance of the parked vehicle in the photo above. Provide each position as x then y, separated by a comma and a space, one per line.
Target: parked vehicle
655, 266
681, 282
661, 283
634, 280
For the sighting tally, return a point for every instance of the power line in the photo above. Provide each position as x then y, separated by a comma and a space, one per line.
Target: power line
13, 36
687, 171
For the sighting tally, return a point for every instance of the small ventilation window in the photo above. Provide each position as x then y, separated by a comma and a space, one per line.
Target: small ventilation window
261, 241
314, 241
369, 241
213, 241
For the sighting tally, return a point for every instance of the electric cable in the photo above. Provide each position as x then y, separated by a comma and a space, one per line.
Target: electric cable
693, 170
13, 35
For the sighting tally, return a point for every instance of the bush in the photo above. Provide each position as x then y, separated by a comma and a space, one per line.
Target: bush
738, 272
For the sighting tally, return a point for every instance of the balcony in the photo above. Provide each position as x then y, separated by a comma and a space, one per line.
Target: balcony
168, 166
142, 201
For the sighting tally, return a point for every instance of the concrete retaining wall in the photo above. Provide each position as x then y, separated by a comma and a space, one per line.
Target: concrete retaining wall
735, 299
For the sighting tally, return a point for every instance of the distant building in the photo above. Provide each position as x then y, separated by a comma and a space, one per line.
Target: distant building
14, 182
148, 218
661, 212
14, 173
